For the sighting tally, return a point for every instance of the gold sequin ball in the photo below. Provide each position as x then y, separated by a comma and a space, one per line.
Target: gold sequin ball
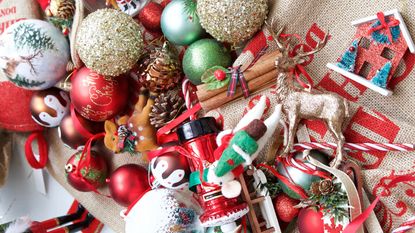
232, 21
109, 42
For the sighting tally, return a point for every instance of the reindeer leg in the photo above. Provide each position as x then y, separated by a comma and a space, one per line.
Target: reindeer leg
293, 121
336, 130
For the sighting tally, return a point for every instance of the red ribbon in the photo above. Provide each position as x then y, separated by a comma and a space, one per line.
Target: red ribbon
385, 25
174, 123
237, 76
357, 222
297, 189
42, 147
299, 69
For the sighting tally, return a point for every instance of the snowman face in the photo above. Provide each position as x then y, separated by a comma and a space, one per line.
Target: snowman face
131, 7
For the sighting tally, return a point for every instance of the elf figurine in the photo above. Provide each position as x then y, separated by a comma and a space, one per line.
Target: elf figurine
248, 139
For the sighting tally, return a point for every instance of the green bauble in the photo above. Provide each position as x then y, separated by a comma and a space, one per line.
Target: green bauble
180, 23
202, 55
300, 178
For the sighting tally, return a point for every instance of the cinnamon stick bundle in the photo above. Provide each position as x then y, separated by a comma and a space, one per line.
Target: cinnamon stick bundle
260, 76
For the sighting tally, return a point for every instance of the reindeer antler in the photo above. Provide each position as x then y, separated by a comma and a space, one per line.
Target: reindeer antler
280, 45
320, 46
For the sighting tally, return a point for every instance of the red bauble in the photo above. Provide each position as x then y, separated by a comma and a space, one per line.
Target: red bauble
150, 16
74, 137
164, 3
90, 176
284, 207
310, 221
128, 183
96, 97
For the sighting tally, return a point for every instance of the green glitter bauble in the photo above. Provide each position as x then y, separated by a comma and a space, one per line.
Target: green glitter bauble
202, 55
109, 42
300, 178
232, 21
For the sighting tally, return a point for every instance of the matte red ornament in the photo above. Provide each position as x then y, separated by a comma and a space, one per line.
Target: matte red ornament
310, 221
128, 183
92, 172
97, 97
284, 207
150, 16
74, 137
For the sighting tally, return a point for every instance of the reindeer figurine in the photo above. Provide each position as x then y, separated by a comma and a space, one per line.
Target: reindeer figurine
135, 133
300, 104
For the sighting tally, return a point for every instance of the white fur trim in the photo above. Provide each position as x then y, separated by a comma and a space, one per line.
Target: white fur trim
255, 113
245, 156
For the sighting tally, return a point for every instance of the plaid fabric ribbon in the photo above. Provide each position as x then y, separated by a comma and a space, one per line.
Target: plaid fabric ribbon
237, 76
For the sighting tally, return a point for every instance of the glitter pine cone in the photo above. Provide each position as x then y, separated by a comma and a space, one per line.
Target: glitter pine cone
232, 21
160, 70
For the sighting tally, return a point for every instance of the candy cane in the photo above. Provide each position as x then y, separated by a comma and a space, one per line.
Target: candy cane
406, 226
186, 94
356, 146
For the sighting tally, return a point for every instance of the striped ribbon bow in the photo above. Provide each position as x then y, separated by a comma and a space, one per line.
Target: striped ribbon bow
237, 76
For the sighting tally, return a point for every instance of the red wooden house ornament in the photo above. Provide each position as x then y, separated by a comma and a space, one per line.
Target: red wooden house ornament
382, 41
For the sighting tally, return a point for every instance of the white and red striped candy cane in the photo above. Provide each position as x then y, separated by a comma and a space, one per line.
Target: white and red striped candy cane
406, 226
186, 94
356, 146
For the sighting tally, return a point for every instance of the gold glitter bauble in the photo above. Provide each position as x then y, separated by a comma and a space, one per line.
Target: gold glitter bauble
109, 42
232, 21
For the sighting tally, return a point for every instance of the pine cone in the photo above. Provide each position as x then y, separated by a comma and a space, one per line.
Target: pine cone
326, 187
160, 70
64, 9
314, 189
166, 107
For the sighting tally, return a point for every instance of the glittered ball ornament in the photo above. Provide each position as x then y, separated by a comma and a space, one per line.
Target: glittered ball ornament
84, 174
164, 210
171, 170
150, 16
180, 23
310, 221
232, 21
75, 134
284, 207
299, 177
127, 183
33, 54
97, 97
49, 107
109, 42
202, 55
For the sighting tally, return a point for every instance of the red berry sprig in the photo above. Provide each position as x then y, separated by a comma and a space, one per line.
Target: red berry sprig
220, 75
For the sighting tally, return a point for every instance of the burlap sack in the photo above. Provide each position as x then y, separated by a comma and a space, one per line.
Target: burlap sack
373, 117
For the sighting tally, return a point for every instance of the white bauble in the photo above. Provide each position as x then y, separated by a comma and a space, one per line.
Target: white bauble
164, 211
33, 54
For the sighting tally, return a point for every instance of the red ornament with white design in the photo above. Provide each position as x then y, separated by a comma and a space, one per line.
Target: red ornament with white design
97, 97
